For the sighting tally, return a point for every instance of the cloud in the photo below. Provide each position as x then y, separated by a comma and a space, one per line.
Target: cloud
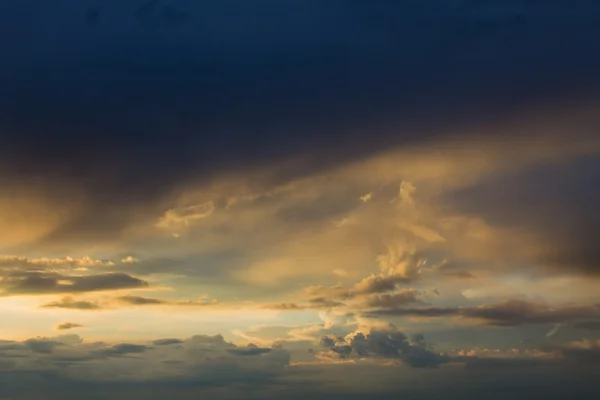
402, 298
546, 204
183, 216
586, 351
204, 363
139, 301
68, 325
509, 313
452, 270
166, 342
376, 290
379, 283
368, 152
592, 325
71, 303
26, 282
121, 350
389, 343
250, 350
8, 263
412, 67
209, 365
144, 301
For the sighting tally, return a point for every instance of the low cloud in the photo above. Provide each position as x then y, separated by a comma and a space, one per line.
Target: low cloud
509, 313
386, 344
121, 350
250, 350
34, 283
583, 352
592, 325
402, 298
8, 263
147, 301
71, 303
166, 342
67, 325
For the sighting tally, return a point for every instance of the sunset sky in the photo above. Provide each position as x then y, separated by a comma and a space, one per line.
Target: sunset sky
273, 199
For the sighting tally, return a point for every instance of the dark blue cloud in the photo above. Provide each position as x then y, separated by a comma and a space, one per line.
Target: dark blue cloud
123, 103
557, 203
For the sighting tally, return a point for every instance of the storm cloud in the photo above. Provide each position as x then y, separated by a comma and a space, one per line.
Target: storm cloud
218, 92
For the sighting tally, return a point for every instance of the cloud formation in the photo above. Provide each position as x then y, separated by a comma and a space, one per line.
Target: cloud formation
145, 301
384, 343
413, 62
71, 303
509, 313
324, 169
29, 282
68, 325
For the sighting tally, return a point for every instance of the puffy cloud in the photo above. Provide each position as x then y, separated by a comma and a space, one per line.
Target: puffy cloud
211, 365
379, 283
384, 343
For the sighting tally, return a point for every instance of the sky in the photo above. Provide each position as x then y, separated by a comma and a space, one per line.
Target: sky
267, 199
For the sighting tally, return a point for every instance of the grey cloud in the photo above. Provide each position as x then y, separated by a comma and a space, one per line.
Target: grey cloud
591, 325
285, 306
324, 302
555, 205
452, 270
586, 352
166, 342
369, 292
68, 325
402, 298
479, 363
70, 303
380, 283
139, 301
27, 282
389, 343
201, 363
516, 312
509, 313
122, 350
250, 350
204, 366
416, 312
42, 345
584, 356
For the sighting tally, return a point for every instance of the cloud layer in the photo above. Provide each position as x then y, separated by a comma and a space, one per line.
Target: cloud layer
299, 199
